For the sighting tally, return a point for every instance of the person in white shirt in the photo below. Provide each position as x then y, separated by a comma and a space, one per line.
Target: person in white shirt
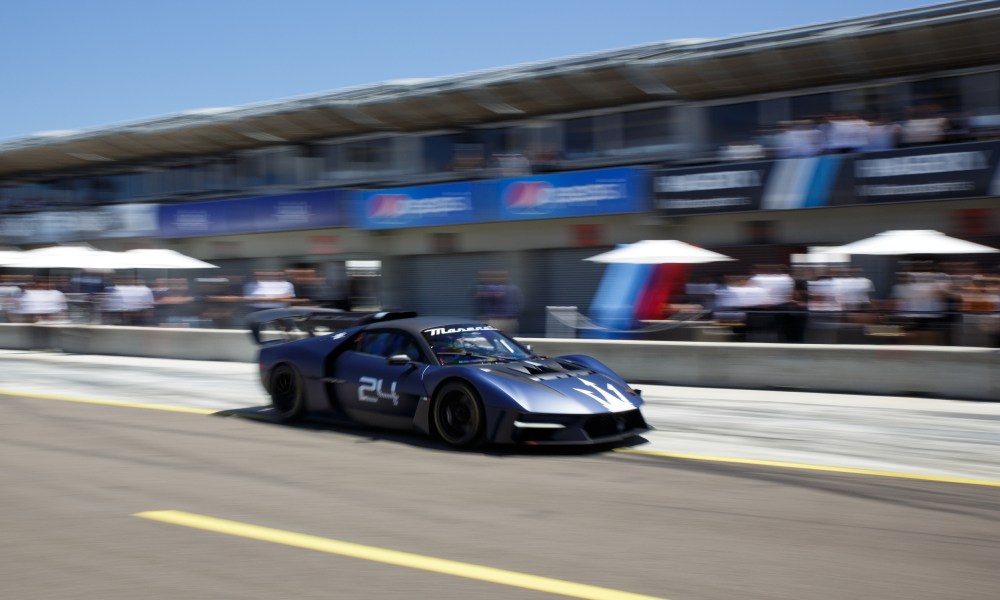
40, 302
847, 133
128, 302
269, 289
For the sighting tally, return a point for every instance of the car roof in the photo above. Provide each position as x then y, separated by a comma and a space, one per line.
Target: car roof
416, 325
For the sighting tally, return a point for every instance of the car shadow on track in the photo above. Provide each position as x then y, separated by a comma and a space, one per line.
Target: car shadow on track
265, 415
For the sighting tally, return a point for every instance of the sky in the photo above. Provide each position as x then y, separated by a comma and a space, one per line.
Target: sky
71, 64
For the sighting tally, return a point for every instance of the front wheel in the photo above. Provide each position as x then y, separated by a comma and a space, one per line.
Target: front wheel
287, 393
458, 415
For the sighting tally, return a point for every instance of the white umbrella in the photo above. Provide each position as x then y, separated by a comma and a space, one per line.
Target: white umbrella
911, 241
161, 258
8, 256
659, 252
65, 257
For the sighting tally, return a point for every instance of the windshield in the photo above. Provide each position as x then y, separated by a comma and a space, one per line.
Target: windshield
464, 344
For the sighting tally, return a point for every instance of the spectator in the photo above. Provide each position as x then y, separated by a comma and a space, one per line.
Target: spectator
883, 135
767, 321
269, 289
852, 289
980, 308
825, 309
800, 138
513, 164
921, 302
10, 293
129, 301
924, 126
846, 133
41, 302
733, 300
498, 302
313, 289
174, 303
219, 298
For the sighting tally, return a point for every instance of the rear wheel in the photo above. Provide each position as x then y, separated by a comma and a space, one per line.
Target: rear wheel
458, 415
287, 393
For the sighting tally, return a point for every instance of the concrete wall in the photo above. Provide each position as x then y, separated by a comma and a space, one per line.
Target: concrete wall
945, 372
153, 342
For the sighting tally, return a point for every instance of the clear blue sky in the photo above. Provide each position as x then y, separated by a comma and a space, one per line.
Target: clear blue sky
81, 64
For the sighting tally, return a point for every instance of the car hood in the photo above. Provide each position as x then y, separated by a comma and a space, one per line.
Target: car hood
553, 386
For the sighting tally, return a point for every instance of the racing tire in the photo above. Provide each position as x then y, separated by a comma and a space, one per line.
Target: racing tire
288, 396
458, 415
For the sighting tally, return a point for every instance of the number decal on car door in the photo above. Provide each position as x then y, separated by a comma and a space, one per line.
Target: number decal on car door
371, 390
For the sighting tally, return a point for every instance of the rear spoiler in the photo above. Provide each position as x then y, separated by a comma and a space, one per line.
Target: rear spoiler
297, 323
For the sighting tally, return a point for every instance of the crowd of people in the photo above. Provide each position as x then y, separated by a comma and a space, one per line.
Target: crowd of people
847, 132
95, 297
947, 304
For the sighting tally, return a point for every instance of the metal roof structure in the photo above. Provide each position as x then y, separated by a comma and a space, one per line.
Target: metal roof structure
946, 36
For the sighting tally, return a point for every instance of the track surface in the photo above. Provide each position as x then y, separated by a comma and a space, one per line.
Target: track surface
83, 482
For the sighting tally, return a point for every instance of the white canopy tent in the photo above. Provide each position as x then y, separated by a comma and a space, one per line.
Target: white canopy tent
162, 258
62, 257
902, 242
88, 258
659, 252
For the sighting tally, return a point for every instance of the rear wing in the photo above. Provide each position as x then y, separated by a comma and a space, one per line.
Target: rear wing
279, 325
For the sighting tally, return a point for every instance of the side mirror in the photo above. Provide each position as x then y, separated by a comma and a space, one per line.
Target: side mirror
399, 359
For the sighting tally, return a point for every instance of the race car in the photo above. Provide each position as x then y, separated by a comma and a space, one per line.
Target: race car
465, 382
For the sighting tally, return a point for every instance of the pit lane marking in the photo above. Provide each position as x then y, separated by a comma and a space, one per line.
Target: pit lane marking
809, 467
119, 403
699, 457
391, 557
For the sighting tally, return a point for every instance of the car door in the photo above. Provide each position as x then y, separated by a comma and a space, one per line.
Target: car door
371, 389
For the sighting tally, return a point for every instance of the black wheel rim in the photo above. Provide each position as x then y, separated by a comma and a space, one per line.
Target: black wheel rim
458, 418
284, 391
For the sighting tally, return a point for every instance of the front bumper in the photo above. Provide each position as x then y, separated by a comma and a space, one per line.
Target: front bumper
560, 429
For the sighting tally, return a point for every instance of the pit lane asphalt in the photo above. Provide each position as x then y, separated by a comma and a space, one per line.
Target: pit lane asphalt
910, 436
81, 479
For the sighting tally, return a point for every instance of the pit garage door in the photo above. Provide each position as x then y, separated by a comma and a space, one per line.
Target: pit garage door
442, 284
562, 278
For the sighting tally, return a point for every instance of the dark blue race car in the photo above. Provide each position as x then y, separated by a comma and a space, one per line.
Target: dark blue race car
463, 381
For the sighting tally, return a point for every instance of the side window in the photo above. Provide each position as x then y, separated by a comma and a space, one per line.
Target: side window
373, 342
388, 343
403, 343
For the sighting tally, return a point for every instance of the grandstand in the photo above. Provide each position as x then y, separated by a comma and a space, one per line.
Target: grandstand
534, 167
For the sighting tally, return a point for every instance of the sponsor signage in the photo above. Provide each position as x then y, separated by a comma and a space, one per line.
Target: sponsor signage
939, 172
761, 185
582, 193
577, 194
445, 204
733, 188
49, 227
307, 210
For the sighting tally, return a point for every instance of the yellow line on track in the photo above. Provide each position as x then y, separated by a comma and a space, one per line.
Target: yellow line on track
391, 557
121, 403
809, 467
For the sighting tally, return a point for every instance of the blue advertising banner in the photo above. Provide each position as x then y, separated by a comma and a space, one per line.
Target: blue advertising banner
445, 204
307, 210
577, 194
